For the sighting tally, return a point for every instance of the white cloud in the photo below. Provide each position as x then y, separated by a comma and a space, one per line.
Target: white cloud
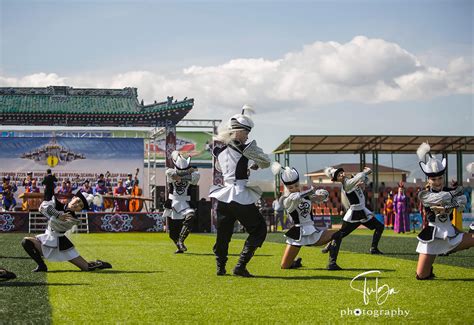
363, 70
34, 80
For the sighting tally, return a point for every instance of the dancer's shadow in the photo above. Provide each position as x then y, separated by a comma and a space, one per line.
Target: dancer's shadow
107, 271
350, 269
206, 254
210, 254
38, 284
304, 277
17, 257
456, 255
401, 254
454, 280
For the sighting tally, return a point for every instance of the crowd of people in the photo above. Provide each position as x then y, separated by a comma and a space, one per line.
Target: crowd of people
50, 186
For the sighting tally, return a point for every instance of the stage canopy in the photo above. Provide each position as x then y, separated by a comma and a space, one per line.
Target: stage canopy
356, 144
374, 145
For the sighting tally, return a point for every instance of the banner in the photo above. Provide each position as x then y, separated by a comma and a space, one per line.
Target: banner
74, 158
195, 144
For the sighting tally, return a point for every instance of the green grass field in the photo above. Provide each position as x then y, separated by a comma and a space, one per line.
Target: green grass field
149, 284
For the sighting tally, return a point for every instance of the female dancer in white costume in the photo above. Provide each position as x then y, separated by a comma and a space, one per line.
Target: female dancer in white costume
440, 237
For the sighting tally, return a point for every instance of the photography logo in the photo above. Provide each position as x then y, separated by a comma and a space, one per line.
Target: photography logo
374, 293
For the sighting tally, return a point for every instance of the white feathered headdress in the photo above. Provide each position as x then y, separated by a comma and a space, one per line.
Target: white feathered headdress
470, 168
288, 175
242, 121
332, 172
432, 166
179, 161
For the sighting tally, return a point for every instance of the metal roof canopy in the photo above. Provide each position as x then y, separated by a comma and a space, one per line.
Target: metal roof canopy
374, 145
339, 144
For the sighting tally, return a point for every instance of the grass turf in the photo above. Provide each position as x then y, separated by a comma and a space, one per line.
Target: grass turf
393, 245
149, 284
26, 298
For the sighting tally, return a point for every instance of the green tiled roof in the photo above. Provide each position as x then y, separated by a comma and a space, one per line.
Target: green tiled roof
68, 100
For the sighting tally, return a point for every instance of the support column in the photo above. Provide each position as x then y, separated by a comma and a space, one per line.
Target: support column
375, 182
154, 170
362, 160
277, 177
446, 175
170, 146
459, 167
170, 143
151, 189
217, 179
287, 159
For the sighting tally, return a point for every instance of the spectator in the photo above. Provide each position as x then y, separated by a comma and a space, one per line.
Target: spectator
120, 190
86, 187
108, 182
401, 207
68, 186
129, 183
278, 209
27, 180
63, 189
49, 183
101, 189
8, 197
100, 179
75, 183
388, 211
382, 188
33, 188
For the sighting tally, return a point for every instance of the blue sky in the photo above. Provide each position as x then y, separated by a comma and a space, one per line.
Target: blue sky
73, 36
308, 67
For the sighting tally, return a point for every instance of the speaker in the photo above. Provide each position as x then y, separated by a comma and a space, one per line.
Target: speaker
203, 220
160, 197
193, 192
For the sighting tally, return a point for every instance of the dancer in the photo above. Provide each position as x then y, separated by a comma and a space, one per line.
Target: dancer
298, 205
53, 244
180, 215
440, 236
236, 199
356, 215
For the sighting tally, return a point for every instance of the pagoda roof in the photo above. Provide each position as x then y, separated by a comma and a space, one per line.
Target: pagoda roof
63, 105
